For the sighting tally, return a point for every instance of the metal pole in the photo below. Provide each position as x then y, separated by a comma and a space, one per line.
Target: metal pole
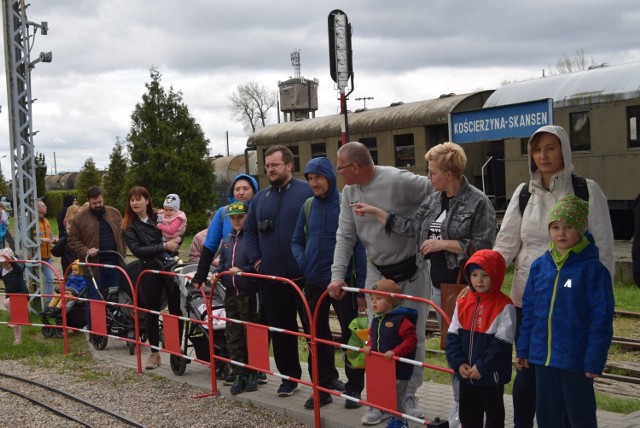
345, 122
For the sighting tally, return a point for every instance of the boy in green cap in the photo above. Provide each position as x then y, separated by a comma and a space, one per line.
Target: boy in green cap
567, 319
240, 300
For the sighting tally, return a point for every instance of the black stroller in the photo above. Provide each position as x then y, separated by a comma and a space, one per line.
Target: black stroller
120, 321
74, 310
196, 336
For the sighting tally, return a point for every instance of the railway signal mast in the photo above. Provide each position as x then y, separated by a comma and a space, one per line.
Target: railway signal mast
340, 61
18, 41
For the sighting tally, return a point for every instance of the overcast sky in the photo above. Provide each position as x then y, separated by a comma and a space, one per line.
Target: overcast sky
402, 51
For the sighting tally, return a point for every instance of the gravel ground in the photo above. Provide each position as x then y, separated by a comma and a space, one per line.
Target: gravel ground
147, 399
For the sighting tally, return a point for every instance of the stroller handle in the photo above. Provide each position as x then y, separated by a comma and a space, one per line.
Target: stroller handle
120, 256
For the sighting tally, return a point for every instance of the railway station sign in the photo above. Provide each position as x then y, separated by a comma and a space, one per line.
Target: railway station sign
497, 123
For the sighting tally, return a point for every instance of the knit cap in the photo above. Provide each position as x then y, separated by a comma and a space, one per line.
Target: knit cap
571, 210
172, 201
7, 254
237, 208
387, 286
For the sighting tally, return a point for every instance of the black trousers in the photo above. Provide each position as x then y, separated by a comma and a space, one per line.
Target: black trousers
281, 305
524, 389
476, 401
152, 287
347, 309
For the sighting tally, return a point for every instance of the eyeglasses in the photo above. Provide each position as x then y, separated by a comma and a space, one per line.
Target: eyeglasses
340, 168
273, 165
430, 173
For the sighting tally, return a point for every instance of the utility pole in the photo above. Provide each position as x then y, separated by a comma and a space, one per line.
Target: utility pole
364, 100
18, 42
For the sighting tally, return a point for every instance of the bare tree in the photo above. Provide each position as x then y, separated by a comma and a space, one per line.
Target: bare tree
566, 64
250, 105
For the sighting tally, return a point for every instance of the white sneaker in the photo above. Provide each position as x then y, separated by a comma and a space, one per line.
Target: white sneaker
374, 416
411, 407
454, 417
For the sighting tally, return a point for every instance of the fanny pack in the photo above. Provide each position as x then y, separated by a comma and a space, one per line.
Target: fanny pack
400, 271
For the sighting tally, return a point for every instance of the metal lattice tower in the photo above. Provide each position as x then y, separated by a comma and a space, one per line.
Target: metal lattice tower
17, 42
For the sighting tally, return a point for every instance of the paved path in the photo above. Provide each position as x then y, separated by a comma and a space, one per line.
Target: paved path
436, 399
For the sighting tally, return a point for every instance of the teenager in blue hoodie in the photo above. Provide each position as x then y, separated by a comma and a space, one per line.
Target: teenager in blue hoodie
313, 243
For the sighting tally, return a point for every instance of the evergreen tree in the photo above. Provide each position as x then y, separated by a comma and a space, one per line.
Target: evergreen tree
114, 189
4, 189
169, 152
89, 176
41, 173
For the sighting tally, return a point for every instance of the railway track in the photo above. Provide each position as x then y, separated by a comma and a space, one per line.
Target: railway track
61, 409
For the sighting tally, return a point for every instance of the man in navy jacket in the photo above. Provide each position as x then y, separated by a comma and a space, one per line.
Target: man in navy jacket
269, 227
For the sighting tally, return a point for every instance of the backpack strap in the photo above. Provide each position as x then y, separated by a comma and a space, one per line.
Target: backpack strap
580, 189
307, 210
224, 214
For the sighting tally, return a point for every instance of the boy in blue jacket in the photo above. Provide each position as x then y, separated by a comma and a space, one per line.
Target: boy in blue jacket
393, 333
480, 341
567, 319
240, 299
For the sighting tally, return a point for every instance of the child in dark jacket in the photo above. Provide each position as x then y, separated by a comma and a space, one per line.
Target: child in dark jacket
13, 276
480, 341
567, 319
393, 332
240, 298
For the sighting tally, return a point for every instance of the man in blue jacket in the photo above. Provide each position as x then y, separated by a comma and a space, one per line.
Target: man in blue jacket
313, 243
269, 227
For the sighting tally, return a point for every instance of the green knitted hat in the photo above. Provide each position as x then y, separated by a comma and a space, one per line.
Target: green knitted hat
571, 210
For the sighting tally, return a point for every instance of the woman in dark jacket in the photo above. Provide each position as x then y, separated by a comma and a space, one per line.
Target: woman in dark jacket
145, 242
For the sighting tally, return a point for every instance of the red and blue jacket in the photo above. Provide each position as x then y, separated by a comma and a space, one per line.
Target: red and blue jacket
483, 327
396, 331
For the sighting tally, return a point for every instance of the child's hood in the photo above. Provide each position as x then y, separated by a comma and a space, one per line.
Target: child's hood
492, 263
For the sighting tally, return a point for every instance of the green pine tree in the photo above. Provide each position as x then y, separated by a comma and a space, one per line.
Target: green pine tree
114, 190
169, 152
89, 176
41, 173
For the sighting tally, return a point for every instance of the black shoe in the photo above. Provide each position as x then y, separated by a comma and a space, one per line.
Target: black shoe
287, 388
229, 379
251, 383
352, 404
238, 385
338, 385
262, 378
324, 399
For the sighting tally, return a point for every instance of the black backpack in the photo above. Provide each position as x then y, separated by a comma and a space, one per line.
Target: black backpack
580, 189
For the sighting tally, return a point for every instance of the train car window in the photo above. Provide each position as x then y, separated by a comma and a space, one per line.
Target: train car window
436, 134
633, 116
524, 146
296, 158
318, 150
405, 152
580, 136
372, 145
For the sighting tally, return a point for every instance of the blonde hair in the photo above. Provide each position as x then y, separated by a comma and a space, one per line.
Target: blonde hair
449, 157
71, 211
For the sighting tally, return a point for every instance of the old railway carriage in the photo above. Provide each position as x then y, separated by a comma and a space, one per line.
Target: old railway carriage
600, 109
397, 135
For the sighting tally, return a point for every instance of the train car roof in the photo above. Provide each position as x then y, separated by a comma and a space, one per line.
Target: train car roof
600, 84
402, 115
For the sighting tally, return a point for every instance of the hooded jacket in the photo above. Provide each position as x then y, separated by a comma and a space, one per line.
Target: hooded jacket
233, 254
313, 248
567, 312
220, 225
396, 331
483, 327
524, 238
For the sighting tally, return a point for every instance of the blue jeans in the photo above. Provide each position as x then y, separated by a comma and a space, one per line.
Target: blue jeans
106, 278
49, 278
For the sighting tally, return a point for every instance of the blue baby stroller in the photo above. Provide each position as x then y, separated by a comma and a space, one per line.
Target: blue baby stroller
76, 286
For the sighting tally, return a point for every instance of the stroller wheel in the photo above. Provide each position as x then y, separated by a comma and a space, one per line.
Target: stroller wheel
47, 331
58, 333
178, 365
132, 348
99, 342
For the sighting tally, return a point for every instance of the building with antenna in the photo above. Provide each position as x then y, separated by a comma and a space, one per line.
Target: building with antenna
298, 97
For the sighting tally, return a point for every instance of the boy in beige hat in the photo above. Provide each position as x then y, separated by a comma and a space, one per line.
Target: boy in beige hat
393, 333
